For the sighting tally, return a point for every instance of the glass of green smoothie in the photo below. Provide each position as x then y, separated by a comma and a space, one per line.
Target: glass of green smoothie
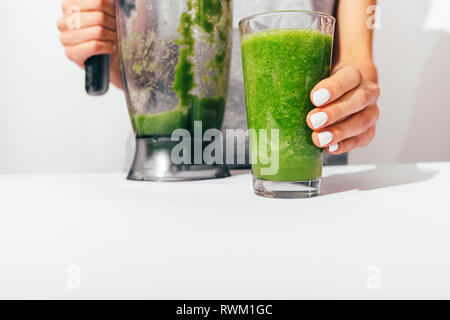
285, 54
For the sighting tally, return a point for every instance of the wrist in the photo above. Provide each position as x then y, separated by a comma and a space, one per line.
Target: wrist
116, 79
366, 66
115, 73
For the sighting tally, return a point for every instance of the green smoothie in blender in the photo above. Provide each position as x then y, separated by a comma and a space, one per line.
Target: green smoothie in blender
204, 27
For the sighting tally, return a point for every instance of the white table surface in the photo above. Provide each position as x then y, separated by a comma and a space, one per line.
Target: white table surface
376, 232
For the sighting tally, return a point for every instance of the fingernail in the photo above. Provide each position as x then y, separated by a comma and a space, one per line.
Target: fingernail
320, 97
318, 119
325, 138
333, 147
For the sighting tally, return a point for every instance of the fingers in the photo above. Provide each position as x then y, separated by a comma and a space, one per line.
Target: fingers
334, 87
80, 53
87, 29
86, 20
360, 141
74, 37
351, 127
347, 112
350, 103
106, 6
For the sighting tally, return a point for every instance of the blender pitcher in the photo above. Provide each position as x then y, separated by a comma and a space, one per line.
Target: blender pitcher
175, 61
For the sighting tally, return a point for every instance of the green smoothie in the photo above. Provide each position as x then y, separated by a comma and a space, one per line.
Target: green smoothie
281, 67
163, 123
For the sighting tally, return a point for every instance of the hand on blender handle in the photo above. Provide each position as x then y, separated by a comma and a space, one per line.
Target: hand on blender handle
88, 30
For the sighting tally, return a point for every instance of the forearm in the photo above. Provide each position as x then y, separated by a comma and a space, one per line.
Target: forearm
353, 43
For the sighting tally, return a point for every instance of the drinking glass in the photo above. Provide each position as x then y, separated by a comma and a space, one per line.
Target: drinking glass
285, 54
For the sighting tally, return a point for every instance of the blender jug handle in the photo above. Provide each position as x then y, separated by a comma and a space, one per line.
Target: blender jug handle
97, 75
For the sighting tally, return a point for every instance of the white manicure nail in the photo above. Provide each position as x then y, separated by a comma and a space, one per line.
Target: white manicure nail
334, 147
320, 97
318, 119
325, 138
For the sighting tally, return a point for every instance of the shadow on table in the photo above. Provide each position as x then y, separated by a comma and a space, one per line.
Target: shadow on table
378, 178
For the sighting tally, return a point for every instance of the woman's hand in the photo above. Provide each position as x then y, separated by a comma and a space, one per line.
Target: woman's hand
88, 28
346, 111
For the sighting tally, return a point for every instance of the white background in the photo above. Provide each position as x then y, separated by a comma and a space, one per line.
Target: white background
49, 125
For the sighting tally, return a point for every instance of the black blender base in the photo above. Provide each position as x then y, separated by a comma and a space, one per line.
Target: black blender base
153, 162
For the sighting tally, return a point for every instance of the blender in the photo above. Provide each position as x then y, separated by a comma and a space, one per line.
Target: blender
175, 61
